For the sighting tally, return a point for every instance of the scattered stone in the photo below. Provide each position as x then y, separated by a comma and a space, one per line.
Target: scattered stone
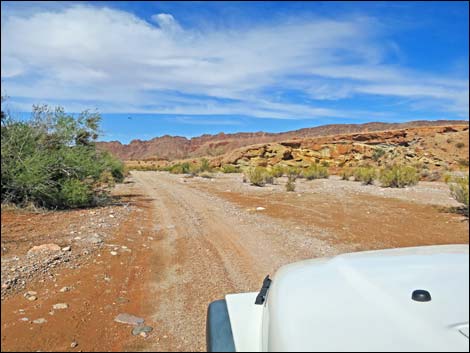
60, 306
114, 253
74, 344
94, 239
111, 215
31, 295
43, 248
139, 330
64, 289
129, 319
260, 208
24, 319
40, 321
66, 248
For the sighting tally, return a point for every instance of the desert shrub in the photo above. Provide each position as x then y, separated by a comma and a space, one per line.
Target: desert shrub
315, 171
229, 168
325, 164
366, 175
268, 177
205, 165
177, 169
399, 176
277, 171
180, 168
378, 153
459, 190
75, 193
259, 176
51, 160
459, 145
294, 172
346, 174
290, 184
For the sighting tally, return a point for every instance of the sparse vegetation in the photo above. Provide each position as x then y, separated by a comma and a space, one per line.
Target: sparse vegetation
459, 145
399, 176
51, 160
459, 190
229, 168
290, 185
277, 171
293, 172
366, 175
378, 153
315, 171
346, 174
259, 176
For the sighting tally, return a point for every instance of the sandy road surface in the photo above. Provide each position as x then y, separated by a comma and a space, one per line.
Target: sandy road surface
214, 241
194, 240
210, 248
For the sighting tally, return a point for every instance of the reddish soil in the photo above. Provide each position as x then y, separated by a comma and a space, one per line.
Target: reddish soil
192, 241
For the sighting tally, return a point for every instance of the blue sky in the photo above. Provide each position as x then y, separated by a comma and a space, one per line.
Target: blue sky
188, 68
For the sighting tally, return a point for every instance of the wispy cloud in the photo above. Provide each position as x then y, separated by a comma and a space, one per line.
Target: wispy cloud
85, 56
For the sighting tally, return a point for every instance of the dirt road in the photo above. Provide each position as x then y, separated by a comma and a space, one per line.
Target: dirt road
193, 240
220, 236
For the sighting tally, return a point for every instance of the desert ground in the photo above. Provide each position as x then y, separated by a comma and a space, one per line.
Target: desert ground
171, 244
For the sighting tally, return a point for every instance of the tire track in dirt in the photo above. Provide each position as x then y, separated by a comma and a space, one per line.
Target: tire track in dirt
206, 253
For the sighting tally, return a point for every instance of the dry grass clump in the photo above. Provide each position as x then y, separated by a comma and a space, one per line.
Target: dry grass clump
399, 176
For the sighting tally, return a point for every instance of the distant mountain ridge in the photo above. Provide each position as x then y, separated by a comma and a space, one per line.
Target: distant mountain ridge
178, 147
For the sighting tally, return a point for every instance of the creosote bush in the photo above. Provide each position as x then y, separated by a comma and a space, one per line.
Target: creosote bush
366, 175
459, 190
229, 168
51, 160
399, 176
277, 171
315, 171
259, 176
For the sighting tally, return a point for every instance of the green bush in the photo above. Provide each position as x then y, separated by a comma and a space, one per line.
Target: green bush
315, 171
459, 190
277, 171
379, 152
259, 176
399, 176
183, 168
294, 172
205, 165
229, 168
366, 175
51, 160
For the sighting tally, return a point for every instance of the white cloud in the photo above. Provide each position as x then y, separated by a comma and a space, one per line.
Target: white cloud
84, 54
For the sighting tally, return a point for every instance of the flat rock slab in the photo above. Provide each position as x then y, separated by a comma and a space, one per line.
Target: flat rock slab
129, 319
44, 248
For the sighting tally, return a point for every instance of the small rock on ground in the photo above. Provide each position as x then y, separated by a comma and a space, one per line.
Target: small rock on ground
40, 321
141, 329
60, 306
129, 319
